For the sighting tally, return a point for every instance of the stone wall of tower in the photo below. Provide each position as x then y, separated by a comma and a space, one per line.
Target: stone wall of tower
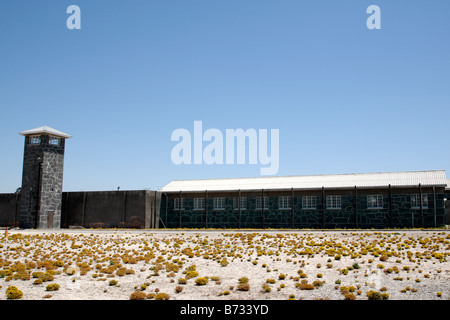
42, 177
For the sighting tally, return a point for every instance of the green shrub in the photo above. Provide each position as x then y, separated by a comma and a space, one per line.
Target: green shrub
52, 287
113, 282
318, 283
201, 281
266, 287
374, 295
162, 296
192, 274
13, 293
243, 280
350, 296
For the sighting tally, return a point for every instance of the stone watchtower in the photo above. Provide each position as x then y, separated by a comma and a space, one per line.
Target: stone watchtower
42, 177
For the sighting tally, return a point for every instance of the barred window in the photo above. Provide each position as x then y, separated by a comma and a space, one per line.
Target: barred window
199, 203
259, 203
53, 141
415, 201
219, 203
309, 202
243, 203
35, 140
375, 201
177, 204
333, 202
284, 203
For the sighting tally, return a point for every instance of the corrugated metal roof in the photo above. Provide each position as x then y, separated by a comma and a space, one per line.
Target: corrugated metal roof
364, 180
46, 130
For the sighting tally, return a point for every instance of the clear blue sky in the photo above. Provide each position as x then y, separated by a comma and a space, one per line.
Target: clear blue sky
344, 98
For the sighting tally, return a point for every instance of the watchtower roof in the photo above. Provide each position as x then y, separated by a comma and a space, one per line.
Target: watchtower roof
45, 130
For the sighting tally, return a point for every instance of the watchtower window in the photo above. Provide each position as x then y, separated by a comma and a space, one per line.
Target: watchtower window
53, 141
35, 139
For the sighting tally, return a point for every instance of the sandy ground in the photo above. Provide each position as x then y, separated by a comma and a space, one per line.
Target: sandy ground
405, 264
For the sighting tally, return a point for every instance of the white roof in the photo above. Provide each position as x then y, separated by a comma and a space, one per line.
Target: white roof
46, 130
364, 180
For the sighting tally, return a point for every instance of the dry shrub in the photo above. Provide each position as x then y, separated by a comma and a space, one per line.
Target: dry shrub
162, 296
97, 225
135, 222
138, 295
243, 287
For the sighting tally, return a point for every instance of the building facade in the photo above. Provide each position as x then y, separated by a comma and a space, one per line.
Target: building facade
374, 200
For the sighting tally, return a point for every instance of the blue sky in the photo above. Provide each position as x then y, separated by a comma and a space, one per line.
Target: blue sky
344, 98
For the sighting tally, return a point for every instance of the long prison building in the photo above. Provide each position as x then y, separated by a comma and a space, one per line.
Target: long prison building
370, 200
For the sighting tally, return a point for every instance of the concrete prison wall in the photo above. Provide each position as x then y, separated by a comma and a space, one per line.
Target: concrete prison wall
111, 209
9, 209
95, 209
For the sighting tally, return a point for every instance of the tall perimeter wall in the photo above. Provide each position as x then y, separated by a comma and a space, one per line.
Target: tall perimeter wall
91, 209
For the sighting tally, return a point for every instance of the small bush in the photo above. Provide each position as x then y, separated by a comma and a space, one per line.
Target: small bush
374, 295
318, 283
266, 287
243, 280
304, 286
138, 295
243, 287
113, 282
350, 296
192, 274
58, 263
52, 287
13, 293
162, 296
178, 289
201, 281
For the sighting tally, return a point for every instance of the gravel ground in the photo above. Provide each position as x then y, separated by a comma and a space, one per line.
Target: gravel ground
83, 262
